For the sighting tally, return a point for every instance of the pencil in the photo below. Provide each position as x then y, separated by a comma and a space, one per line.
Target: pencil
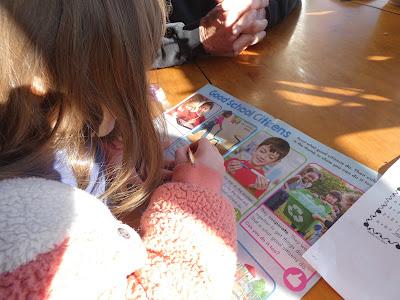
253, 171
191, 157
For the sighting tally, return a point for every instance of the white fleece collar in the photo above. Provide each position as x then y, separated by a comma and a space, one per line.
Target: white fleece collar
36, 215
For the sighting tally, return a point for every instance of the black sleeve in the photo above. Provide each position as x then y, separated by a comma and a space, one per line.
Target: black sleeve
278, 10
180, 44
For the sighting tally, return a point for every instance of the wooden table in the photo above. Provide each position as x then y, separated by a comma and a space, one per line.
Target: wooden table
331, 70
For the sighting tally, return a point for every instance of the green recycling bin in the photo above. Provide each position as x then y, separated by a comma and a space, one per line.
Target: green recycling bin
301, 206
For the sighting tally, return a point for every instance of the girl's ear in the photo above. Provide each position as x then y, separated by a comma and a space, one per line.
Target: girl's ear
107, 124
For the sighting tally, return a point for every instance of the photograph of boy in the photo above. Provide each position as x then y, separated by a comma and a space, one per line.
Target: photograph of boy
251, 173
224, 131
193, 112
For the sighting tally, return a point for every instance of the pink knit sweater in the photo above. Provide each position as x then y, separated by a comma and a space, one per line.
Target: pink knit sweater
57, 242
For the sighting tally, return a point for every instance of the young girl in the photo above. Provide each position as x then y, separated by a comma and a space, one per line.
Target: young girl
73, 79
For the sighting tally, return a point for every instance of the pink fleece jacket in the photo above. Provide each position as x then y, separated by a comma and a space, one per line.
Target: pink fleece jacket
58, 242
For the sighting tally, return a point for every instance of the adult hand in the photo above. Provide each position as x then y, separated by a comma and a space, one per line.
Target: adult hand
205, 154
232, 26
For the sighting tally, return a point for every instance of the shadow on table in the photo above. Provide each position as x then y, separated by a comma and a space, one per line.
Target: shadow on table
331, 71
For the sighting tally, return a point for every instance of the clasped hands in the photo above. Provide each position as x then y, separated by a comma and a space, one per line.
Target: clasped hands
233, 25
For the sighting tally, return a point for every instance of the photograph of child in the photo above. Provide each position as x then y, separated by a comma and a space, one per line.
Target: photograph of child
336, 204
303, 180
193, 111
217, 123
347, 200
312, 201
225, 131
258, 164
330, 203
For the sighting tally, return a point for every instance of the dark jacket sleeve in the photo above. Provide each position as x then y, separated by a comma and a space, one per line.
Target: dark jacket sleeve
278, 10
180, 44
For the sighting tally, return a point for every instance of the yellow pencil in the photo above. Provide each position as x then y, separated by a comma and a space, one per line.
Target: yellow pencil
191, 157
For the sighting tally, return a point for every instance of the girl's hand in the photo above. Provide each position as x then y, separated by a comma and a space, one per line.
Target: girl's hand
167, 170
204, 154
168, 164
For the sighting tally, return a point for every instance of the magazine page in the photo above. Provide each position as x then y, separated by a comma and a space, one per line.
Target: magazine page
287, 188
363, 263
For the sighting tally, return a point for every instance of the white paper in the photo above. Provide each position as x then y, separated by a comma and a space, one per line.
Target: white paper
360, 255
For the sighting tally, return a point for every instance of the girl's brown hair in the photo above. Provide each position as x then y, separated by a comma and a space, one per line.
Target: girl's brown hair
91, 56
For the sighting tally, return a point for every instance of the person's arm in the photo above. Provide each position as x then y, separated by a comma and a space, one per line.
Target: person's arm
180, 44
190, 235
217, 33
278, 10
226, 30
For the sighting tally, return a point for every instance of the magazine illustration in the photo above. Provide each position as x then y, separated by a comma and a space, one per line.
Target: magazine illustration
287, 188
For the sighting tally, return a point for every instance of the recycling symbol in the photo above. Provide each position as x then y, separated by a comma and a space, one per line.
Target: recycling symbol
296, 212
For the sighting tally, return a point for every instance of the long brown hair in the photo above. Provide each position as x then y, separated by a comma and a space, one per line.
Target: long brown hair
91, 55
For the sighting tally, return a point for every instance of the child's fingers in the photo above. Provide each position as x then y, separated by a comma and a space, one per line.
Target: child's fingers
236, 165
261, 182
253, 185
202, 146
166, 175
233, 166
231, 170
181, 154
193, 146
258, 183
169, 164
